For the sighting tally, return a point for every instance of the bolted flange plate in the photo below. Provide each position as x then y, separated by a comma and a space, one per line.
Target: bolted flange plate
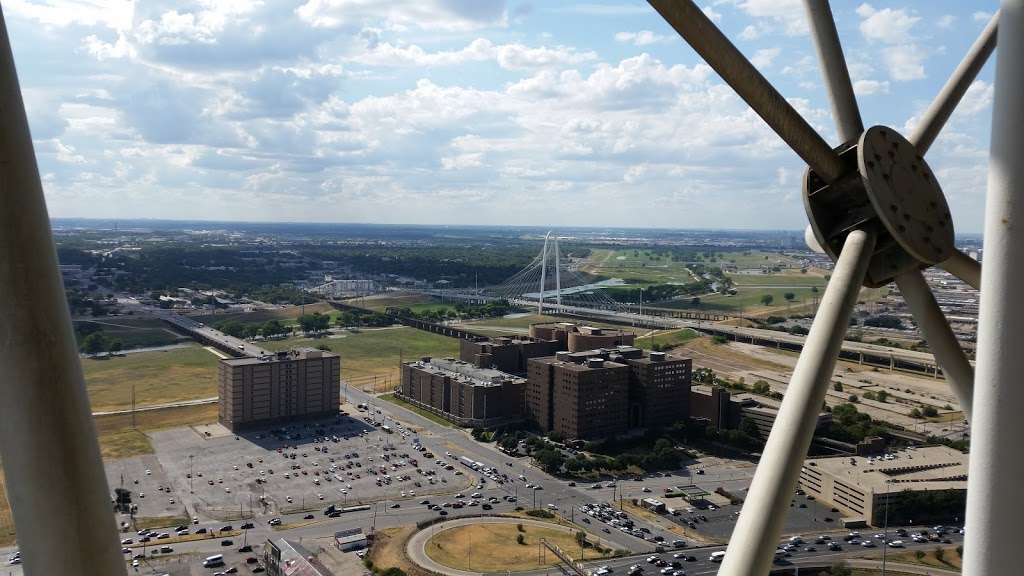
905, 194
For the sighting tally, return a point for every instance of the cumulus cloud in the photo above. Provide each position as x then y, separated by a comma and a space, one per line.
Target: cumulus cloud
788, 13
508, 56
870, 87
893, 29
886, 25
641, 38
441, 109
764, 57
403, 14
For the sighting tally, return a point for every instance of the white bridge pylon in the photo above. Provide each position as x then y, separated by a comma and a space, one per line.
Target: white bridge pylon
543, 270
533, 284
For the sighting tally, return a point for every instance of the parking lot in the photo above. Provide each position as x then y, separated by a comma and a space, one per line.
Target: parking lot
344, 461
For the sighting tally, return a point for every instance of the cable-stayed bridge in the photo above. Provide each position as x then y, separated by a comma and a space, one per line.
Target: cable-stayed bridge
552, 285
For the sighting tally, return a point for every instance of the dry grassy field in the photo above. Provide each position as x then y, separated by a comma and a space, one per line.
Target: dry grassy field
493, 547
159, 377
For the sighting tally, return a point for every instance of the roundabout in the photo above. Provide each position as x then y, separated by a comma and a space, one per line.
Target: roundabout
474, 546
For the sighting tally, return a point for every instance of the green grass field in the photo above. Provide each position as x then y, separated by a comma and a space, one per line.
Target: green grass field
135, 332
158, 377
380, 303
750, 298
642, 265
372, 352
286, 315
754, 259
666, 338
778, 280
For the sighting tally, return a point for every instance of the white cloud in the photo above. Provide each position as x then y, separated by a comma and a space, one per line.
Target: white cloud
788, 13
508, 56
946, 21
750, 32
404, 14
891, 28
764, 57
114, 14
981, 16
462, 161
886, 25
870, 87
905, 62
977, 98
591, 9
712, 14
641, 38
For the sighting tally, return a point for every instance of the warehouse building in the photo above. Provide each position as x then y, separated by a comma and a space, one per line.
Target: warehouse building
867, 489
256, 391
462, 392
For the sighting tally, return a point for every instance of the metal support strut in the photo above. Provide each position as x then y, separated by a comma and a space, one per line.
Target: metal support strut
55, 480
995, 501
754, 539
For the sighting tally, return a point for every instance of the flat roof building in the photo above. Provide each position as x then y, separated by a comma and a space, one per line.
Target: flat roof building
863, 487
579, 338
304, 383
505, 354
579, 400
659, 383
462, 392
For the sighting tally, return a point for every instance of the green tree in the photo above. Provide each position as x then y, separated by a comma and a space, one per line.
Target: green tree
695, 301
882, 396
520, 539
94, 343
940, 554
919, 555
789, 296
930, 412
767, 299
114, 346
853, 398
581, 537
916, 413
837, 386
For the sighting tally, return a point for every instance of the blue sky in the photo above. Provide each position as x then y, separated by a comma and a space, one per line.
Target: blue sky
463, 111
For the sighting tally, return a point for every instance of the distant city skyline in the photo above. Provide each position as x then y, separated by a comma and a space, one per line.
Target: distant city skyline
447, 112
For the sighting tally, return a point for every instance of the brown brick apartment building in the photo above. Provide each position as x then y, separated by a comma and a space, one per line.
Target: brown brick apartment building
657, 394
505, 354
585, 400
462, 392
301, 383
